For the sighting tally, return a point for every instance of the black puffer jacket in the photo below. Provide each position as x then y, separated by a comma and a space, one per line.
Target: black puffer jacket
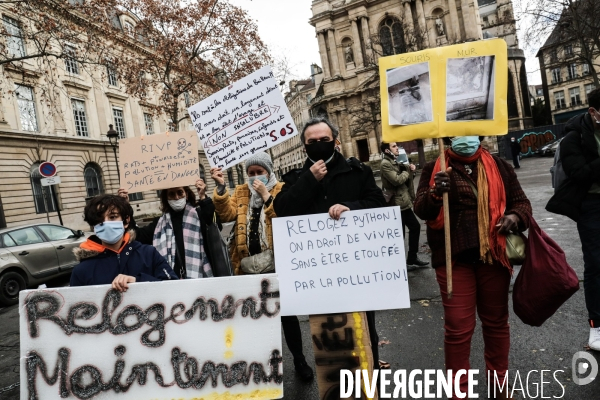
581, 162
348, 182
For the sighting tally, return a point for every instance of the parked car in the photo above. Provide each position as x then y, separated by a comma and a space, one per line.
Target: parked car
34, 254
549, 148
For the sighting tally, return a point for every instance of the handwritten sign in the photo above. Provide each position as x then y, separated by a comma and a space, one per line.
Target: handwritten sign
457, 90
354, 264
247, 117
203, 338
159, 161
341, 341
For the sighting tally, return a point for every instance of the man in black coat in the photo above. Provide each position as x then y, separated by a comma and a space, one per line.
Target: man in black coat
579, 198
329, 184
515, 149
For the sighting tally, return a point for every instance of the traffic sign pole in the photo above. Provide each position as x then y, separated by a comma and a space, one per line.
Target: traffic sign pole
56, 204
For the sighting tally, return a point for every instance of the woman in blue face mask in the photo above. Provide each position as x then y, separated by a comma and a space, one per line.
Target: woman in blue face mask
251, 207
486, 202
179, 233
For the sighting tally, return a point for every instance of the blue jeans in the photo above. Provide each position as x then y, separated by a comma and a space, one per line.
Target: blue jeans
588, 226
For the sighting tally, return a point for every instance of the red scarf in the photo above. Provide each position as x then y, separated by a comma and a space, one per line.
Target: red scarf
490, 186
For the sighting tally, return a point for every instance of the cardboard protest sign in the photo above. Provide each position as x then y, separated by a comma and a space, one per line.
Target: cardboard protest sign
159, 161
244, 118
216, 338
341, 341
458, 90
354, 264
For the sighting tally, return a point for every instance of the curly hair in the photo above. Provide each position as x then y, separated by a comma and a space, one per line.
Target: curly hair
95, 210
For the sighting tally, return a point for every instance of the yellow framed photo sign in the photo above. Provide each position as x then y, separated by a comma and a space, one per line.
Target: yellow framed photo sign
458, 90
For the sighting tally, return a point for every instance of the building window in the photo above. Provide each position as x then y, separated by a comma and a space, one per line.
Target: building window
553, 56
79, 117
568, 50
559, 97
572, 70
588, 88
129, 29
391, 37
119, 122
41, 194
93, 180
540, 91
308, 98
556, 75
202, 172
70, 61
186, 97
230, 178
149, 124
26, 105
112, 76
585, 69
14, 40
574, 94
136, 196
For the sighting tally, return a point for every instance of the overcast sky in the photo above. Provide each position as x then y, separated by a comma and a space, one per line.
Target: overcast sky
283, 25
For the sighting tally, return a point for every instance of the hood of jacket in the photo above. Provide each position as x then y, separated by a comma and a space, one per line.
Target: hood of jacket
584, 125
93, 246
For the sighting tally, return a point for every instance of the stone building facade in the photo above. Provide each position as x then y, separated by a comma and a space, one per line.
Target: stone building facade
69, 129
353, 34
566, 79
290, 154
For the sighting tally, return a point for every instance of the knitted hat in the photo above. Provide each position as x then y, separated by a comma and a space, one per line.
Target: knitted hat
261, 159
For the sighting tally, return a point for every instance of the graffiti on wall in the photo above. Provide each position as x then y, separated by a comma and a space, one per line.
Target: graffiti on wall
530, 142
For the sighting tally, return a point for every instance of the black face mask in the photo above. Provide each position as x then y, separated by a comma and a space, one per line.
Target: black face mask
320, 150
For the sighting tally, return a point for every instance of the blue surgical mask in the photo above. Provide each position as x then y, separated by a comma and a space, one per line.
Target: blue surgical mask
110, 231
465, 145
262, 178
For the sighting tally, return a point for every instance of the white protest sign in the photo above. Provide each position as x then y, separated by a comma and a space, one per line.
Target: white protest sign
244, 118
354, 264
215, 338
159, 161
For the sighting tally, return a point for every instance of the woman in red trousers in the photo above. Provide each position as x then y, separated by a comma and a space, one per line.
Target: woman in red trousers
486, 203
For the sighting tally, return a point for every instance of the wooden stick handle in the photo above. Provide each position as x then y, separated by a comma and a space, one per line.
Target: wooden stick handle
446, 206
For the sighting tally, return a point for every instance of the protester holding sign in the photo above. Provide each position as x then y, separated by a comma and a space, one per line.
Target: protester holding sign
251, 207
483, 192
329, 183
112, 255
397, 179
179, 233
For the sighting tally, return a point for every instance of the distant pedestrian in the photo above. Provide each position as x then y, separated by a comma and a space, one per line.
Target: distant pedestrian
398, 179
515, 149
580, 200
481, 271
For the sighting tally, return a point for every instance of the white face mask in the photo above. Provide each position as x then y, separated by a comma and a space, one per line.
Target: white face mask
178, 205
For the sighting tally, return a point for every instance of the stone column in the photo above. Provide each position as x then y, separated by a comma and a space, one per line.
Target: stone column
408, 18
367, 40
432, 31
469, 20
323, 53
358, 58
422, 23
335, 65
453, 31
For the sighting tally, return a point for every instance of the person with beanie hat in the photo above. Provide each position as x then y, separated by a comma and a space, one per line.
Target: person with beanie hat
251, 207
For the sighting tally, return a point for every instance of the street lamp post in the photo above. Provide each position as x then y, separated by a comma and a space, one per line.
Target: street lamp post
113, 137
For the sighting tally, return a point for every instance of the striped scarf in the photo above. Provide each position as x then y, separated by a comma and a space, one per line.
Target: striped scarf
196, 261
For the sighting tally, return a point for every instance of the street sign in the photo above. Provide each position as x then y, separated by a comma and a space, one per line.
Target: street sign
55, 180
47, 169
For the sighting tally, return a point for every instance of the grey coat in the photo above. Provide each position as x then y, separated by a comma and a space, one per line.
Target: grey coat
399, 179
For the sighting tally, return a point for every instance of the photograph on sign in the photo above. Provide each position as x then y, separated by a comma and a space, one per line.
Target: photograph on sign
159, 161
197, 338
409, 91
354, 264
246, 117
470, 88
